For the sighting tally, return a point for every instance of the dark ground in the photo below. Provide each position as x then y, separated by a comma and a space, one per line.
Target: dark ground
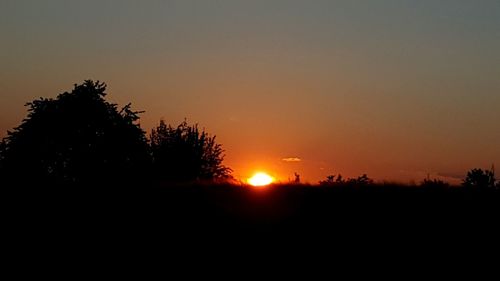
223, 225
275, 210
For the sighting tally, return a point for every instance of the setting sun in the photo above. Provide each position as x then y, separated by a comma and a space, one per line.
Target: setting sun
260, 179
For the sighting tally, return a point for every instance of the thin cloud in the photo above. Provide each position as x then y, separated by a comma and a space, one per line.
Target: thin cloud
291, 159
451, 175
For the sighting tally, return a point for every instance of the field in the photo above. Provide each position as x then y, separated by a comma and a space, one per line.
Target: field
187, 222
278, 208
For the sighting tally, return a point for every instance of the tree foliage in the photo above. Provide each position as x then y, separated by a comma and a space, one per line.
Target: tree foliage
184, 153
478, 178
75, 137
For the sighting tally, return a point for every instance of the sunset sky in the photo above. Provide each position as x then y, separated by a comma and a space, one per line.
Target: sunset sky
395, 89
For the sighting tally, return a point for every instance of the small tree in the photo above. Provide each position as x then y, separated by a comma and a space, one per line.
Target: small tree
362, 180
185, 153
77, 137
479, 178
331, 180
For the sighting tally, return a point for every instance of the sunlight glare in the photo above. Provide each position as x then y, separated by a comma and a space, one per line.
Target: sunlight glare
260, 179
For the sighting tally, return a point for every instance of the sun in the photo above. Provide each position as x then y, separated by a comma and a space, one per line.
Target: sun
260, 179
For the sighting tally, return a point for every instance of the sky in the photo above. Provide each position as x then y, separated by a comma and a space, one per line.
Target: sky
395, 89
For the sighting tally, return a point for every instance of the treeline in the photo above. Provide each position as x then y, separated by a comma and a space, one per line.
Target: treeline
79, 137
475, 179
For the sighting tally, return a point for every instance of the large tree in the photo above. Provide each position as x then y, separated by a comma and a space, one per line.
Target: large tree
76, 137
184, 153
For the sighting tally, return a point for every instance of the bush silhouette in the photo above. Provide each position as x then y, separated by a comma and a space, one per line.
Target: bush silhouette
331, 180
77, 137
362, 180
185, 153
433, 183
479, 178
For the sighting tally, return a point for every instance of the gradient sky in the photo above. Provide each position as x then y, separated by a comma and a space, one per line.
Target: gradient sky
396, 89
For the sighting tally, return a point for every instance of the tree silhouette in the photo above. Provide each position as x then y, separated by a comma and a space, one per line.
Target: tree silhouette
478, 178
330, 180
185, 153
362, 180
77, 137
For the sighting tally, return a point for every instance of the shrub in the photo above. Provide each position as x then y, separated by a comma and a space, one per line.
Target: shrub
478, 178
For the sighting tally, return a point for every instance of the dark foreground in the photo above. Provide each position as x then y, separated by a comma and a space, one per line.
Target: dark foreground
203, 222
184, 210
